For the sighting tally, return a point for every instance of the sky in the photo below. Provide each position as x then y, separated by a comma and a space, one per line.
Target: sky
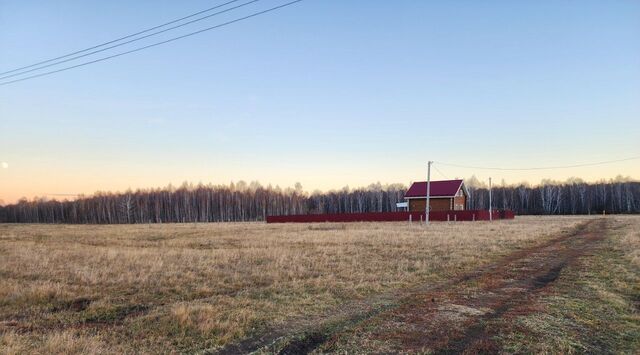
325, 93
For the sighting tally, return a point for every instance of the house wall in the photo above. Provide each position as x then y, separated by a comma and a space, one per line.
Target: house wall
437, 204
460, 201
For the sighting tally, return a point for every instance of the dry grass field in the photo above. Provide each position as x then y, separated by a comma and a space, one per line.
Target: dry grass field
188, 288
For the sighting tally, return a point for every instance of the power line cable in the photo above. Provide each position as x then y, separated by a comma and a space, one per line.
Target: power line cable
440, 172
154, 44
122, 38
540, 168
127, 42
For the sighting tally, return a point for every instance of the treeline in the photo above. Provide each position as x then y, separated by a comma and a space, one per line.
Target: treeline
202, 203
571, 197
252, 202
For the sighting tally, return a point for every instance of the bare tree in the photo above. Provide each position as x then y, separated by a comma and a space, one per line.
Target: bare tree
251, 202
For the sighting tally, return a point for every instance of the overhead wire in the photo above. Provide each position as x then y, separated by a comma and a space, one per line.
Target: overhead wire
121, 38
439, 172
153, 44
127, 42
539, 168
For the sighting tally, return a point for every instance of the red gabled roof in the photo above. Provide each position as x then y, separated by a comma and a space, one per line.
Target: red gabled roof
437, 188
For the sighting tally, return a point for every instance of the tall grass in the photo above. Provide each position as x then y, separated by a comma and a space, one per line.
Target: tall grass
183, 287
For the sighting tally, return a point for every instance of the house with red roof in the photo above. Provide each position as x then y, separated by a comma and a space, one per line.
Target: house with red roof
444, 195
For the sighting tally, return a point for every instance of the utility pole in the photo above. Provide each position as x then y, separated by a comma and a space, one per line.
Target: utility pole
427, 207
490, 213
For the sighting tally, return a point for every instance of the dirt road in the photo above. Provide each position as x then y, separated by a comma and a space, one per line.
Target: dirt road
459, 316
463, 318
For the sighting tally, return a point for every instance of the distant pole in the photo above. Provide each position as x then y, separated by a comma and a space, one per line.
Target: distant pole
490, 214
428, 192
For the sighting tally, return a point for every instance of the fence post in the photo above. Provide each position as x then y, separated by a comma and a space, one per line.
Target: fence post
409, 217
455, 218
474, 217
447, 217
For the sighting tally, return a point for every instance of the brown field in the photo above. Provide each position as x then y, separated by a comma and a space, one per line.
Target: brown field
235, 287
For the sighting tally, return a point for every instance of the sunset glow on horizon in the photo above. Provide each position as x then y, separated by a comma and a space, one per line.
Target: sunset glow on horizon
67, 184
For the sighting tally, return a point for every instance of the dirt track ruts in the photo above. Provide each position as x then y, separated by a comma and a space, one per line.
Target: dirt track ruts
458, 316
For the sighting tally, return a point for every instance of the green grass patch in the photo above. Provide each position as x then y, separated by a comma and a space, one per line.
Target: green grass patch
592, 308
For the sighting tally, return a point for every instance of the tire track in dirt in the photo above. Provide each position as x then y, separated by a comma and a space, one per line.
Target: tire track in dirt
449, 317
465, 317
520, 287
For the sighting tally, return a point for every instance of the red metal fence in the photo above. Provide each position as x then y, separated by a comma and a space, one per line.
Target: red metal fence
469, 215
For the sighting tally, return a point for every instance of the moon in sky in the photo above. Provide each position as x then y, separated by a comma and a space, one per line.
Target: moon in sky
5, 165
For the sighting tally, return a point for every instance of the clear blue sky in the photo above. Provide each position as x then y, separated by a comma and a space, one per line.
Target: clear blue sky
328, 93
